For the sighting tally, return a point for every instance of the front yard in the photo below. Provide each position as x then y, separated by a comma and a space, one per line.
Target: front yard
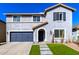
35, 50
56, 49
61, 49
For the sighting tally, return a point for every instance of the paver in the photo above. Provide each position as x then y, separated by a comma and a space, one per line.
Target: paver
44, 50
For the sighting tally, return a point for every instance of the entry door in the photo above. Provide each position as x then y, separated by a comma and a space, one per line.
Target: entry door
41, 35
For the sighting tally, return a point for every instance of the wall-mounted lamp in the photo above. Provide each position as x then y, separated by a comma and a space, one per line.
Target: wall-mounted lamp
50, 32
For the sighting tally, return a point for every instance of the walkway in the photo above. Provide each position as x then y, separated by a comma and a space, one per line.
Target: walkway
44, 50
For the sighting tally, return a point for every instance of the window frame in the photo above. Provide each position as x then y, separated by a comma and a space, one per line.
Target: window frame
37, 19
16, 18
59, 34
59, 16
56, 36
77, 37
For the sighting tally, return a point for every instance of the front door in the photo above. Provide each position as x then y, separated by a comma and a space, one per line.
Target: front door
41, 35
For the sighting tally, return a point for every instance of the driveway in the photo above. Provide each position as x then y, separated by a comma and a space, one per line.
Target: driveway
15, 48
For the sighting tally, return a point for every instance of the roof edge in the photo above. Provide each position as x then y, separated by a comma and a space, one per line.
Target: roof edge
3, 21
60, 4
24, 13
43, 13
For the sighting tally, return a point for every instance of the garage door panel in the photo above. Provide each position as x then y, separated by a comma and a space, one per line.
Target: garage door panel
13, 36
27, 36
21, 36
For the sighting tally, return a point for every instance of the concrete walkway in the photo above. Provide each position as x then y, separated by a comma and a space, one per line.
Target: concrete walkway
44, 50
15, 49
73, 46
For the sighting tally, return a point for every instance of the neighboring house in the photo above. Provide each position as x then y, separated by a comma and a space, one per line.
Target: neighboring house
2, 31
75, 33
53, 25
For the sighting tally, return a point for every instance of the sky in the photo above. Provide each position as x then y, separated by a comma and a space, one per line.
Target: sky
34, 8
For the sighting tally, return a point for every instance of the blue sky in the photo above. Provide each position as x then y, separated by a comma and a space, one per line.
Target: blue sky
34, 8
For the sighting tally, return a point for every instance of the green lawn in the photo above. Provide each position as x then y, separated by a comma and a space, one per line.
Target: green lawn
35, 50
61, 49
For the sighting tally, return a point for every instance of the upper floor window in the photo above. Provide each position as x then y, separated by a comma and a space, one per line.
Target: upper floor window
36, 18
16, 18
59, 16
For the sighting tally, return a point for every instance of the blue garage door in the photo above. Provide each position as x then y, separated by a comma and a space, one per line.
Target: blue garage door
21, 36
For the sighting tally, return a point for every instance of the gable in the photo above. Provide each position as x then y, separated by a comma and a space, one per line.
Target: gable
57, 6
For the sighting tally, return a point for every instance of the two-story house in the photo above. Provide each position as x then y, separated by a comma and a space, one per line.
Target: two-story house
53, 25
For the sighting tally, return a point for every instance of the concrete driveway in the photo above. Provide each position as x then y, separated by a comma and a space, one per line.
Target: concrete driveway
15, 48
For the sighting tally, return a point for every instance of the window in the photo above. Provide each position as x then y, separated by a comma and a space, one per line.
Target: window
59, 16
56, 33
0, 30
16, 18
59, 33
78, 37
36, 18
62, 33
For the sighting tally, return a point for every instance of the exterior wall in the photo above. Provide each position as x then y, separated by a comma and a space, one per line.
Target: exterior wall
27, 23
23, 19
66, 25
36, 34
2, 32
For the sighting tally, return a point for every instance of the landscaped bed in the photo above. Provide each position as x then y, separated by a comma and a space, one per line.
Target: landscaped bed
61, 49
35, 50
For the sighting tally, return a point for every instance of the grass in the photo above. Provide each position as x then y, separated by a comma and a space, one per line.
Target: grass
61, 49
35, 50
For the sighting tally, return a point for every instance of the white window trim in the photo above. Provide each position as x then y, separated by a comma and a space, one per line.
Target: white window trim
59, 17
36, 20
16, 21
60, 29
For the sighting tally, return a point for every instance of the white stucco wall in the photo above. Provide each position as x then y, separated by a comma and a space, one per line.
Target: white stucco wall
66, 25
26, 24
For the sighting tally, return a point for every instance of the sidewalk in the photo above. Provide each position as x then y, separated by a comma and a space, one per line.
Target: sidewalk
73, 46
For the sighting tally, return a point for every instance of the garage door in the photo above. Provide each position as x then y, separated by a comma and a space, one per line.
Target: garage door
21, 36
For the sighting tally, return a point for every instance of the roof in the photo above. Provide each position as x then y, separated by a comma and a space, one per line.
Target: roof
2, 21
37, 26
43, 13
29, 14
58, 5
76, 27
